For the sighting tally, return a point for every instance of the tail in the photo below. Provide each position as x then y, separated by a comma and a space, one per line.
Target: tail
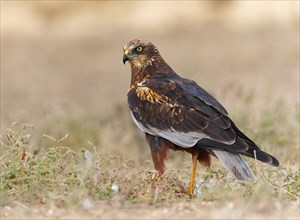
236, 164
242, 145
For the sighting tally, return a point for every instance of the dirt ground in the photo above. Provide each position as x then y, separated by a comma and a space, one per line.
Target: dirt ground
232, 210
62, 71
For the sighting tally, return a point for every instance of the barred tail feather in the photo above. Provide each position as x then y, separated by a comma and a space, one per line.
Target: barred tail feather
236, 164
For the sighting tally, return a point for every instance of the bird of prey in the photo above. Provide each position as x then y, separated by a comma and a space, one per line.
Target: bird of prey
176, 113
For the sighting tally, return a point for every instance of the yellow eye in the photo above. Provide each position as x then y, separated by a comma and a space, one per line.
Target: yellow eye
139, 49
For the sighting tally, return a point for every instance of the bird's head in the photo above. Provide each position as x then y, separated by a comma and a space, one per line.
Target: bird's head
140, 53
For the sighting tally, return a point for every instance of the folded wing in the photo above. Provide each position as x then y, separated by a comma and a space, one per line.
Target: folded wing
182, 112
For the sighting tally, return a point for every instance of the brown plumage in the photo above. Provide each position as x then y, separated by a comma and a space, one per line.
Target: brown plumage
175, 113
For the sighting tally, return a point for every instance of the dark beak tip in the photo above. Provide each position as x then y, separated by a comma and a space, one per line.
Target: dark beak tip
125, 58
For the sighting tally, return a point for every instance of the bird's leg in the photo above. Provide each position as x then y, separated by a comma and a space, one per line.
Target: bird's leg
159, 149
193, 174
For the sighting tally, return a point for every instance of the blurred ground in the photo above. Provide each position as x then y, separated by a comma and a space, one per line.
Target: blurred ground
61, 67
66, 56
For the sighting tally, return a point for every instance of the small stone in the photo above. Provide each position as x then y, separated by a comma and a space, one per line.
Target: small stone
50, 211
87, 204
115, 187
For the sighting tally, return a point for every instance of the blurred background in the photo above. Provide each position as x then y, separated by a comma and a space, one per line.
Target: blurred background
62, 70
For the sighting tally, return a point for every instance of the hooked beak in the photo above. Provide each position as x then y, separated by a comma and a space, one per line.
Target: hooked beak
125, 56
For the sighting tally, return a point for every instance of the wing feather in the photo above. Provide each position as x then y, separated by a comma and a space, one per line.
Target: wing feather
177, 116
197, 91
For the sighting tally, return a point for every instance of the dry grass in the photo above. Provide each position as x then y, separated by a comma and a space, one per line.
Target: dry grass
57, 178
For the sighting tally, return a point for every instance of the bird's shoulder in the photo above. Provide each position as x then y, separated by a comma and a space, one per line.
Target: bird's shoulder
156, 90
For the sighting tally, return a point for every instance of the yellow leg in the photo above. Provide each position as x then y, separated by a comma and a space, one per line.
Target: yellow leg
192, 181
